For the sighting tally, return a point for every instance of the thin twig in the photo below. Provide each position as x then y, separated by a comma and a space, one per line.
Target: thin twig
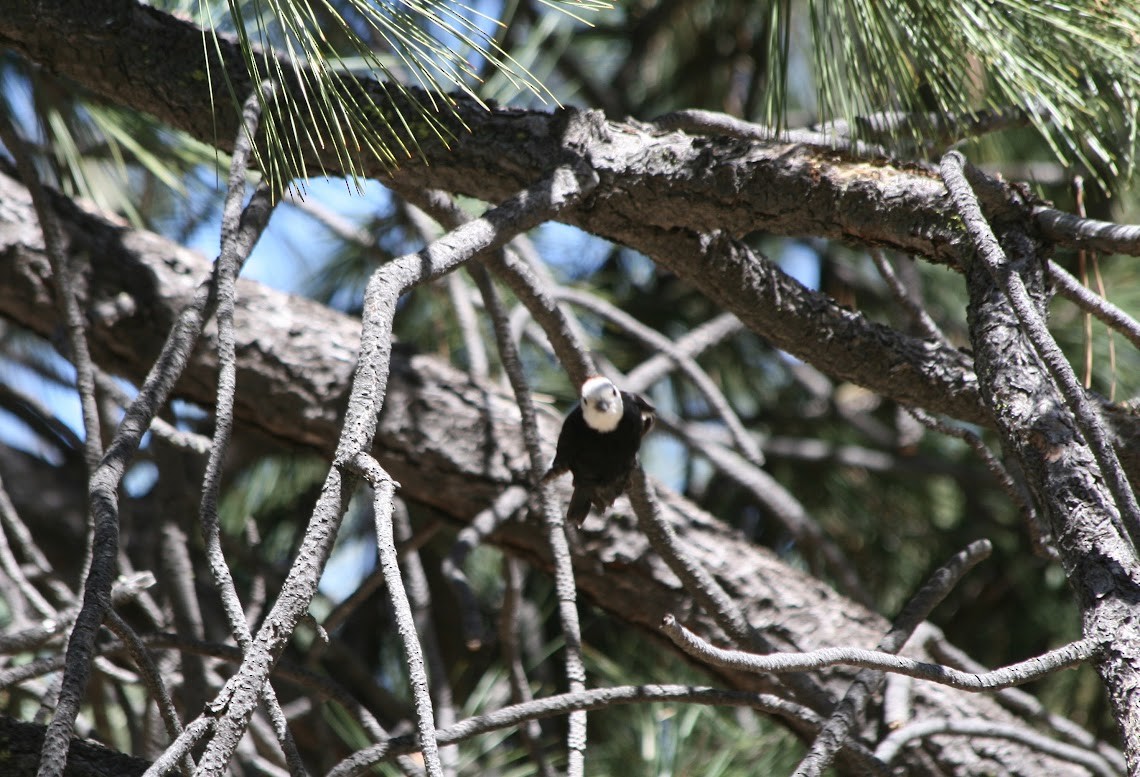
696, 121
369, 386
1039, 534
470, 536
521, 272
315, 682
1110, 314
67, 296
457, 292
178, 576
1015, 674
530, 731
700, 583
849, 713
180, 747
778, 502
564, 585
10, 564
954, 170
227, 268
419, 599
892, 745
104, 500
1023, 704
595, 698
190, 441
152, 678
902, 296
383, 497
40, 420
691, 344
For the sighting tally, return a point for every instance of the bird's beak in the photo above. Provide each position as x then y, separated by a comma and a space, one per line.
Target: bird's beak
603, 405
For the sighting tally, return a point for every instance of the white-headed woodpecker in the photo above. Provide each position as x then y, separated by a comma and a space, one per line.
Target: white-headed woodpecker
598, 445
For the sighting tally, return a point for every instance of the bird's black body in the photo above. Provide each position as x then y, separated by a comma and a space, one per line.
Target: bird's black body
600, 461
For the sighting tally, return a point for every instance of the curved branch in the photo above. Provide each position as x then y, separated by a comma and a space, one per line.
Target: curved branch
1015, 674
890, 747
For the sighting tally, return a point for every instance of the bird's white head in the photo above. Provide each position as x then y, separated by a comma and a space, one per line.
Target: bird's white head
601, 404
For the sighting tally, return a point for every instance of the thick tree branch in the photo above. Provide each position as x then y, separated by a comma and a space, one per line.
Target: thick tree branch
1038, 427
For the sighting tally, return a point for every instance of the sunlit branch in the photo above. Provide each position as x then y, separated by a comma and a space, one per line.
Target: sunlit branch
369, 386
1015, 674
564, 584
691, 344
383, 498
849, 714
954, 172
419, 600
1017, 700
596, 698
1071, 231
702, 586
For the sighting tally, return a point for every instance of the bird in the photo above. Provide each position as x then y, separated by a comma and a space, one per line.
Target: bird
598, 445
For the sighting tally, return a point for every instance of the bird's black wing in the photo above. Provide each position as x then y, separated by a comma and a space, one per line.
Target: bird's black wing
646, 408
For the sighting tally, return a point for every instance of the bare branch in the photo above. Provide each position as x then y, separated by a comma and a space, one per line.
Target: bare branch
151, 675
383, 496
890, 747
778, 502
104, 483
564, 585
531, 731
954, 171
702, 585
1110, 314
195, 443
419, 600
521, 276
25, 592
1071, 231
562, 704
1015, 674
506, 505
848, 714
1018, 700
691, 344
66, 298
702, 122
1033, 522
912, 306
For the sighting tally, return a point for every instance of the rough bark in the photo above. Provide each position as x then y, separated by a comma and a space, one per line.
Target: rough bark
453, 444
1039, 429
20, 745
661, 192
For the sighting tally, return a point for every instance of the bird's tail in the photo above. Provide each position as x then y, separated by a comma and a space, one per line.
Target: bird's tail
579, 506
